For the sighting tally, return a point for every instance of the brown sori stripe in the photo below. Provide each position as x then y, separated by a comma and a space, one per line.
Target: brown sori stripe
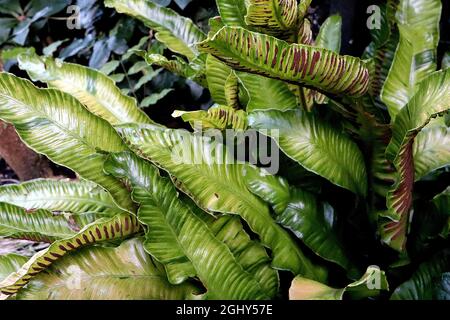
7, 292
127, 224
37, 269
92, 235
70, 245
316, 57
48, 259
105, 229
275, 55
296, 61
99, 234
86, 239
56, 255
61, 247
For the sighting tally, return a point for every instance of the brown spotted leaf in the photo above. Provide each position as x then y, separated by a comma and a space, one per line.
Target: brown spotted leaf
126, 272
217, 117
104, 229
432, 98
299, 64
272, 16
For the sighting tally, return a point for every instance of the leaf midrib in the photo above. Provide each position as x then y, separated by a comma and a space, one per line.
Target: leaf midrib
74, 199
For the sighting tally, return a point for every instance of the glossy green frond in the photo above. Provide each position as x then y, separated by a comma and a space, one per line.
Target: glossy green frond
60, 195
203, 169
415, 57
232, 12
92, 88
315, 145
431, 150
59, 126
267, 93
35, 225
182, 241
177, 32
217, 74
309, 219
329, 36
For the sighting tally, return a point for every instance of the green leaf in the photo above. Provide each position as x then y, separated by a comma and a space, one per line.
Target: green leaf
51, 48
217, 117
149, 76
204, 170
104, 229
178, 66
177, 32
231, 89
182, 241
91, 87
431, 150
60, 195
371, 283
272, 16
250, 254
35, 225
55, 124
10, 263
309, 219
215, 24
154, 98
217, 74
15, 52
303, 8
299, 64
110, 67
415, 58
423, 283
138, 67
267, 93
329, 36
232, 12
315, 145
117, 78
123, 273
431, 99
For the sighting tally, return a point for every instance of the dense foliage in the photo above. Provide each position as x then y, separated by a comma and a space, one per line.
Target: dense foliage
359, 207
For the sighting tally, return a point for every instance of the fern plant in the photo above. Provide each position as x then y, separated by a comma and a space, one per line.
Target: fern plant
359, 130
